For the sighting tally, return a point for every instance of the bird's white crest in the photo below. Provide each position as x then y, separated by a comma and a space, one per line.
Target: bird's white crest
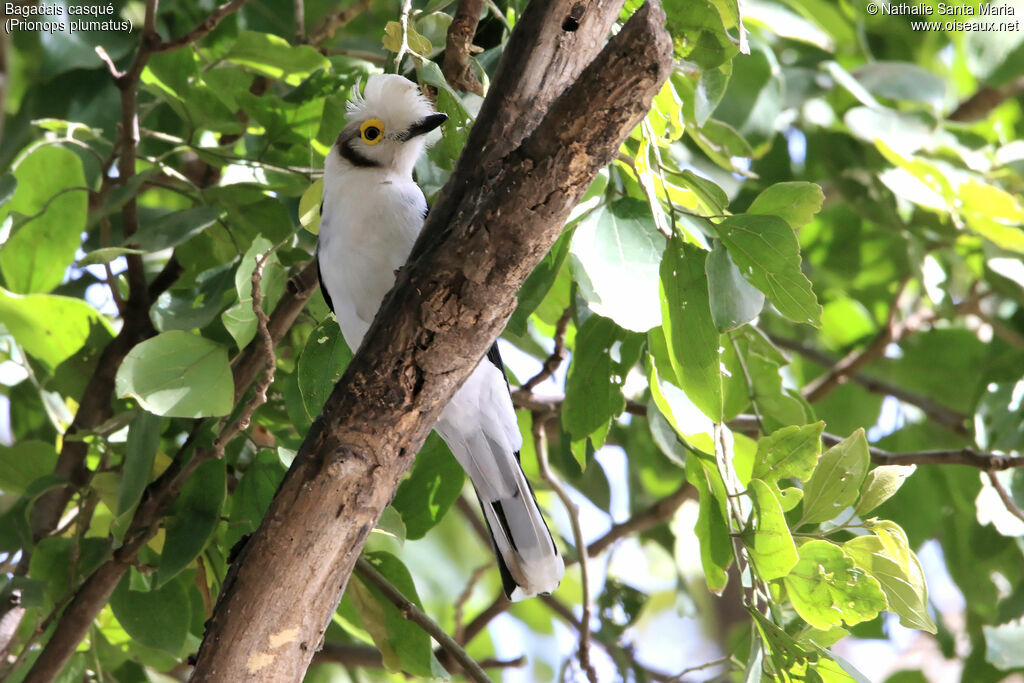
391, 96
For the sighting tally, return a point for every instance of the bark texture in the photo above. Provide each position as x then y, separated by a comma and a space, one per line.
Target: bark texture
555, 115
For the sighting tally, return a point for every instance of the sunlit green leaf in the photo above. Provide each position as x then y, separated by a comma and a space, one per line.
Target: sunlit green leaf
836, 481
434, 483
177, 374
827, 588
49, 210
615, 255
712, 527
880, 485
768, 255
772, 549
903, 582
794, 202
690, 333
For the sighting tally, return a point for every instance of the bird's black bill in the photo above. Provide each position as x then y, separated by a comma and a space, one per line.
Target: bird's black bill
424, 125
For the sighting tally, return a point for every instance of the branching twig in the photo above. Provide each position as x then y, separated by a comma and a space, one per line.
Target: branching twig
202, 29
938, 413
410, 611
981, 103
658, 513
457, 68
540, 442
335, 21
949, 456
557, 357
266, 354
891, 332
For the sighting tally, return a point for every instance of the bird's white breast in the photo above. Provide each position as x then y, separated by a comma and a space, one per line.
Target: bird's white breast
369, 222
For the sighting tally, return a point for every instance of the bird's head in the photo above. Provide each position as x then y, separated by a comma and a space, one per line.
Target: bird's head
386, 124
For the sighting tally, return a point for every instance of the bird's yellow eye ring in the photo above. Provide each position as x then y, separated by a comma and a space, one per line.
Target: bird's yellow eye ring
372, 131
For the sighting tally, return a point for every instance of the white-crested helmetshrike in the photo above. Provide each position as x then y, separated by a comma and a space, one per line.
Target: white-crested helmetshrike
371, 214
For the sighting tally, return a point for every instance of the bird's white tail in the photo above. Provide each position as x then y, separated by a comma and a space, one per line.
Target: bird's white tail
479, 426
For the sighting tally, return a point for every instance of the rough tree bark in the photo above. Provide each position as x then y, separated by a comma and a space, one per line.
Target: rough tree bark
550, 123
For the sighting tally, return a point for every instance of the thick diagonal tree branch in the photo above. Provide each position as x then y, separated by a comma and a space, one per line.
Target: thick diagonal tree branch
491, 225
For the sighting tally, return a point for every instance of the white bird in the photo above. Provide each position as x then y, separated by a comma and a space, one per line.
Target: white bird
371, 214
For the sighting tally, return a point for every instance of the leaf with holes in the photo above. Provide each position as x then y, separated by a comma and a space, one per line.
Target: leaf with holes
837, 479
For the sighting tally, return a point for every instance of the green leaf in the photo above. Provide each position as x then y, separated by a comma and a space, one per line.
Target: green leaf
24, 462
712, 527
836, 481
177, 374
434, 483
772, 549
39, 249
323, 360
994, 214
156, 618
405, 646
61, 563
51, 328
139, 453
8, 185
272, 56
173, 229
309, 206
392, 40
698, 33
711, 196
615, 255
593, 389
827, 588
252, 497
880, 484
902, 81
767, 253
902, 581
105, 255
788, 453
15, 533
539, 283
794, 202
195, 516
240, 319
734, 301
690, 333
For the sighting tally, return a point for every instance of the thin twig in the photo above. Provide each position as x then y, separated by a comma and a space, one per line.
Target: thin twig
981, 103
460, 604
337, 20
202, 29
947, 456
557, 357
1005, 496
367, 656
656, 514
403, 19
540, 442
299, 11
414, 614
480, 621
269, 361
938, 413
891, 332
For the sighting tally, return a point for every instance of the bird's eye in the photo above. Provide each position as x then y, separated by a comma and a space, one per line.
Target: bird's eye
372, 131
